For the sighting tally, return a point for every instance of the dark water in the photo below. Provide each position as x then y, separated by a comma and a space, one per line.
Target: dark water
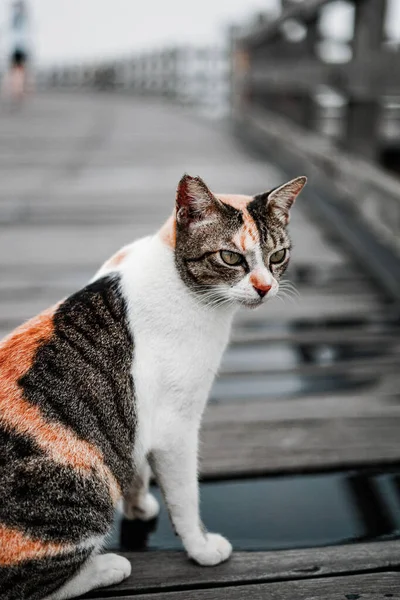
287, 385
284, 512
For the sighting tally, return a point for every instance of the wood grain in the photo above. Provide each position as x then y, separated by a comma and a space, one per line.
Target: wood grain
365, 587
245, 438
168, 571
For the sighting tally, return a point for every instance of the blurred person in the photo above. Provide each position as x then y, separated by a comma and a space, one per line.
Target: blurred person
16, 78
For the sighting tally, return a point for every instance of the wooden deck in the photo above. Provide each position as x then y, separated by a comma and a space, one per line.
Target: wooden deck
307, 385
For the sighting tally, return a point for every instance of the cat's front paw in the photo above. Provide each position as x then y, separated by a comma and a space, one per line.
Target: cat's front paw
211, 550
146, 508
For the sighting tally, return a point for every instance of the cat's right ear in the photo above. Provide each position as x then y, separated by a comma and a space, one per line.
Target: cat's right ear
195, 201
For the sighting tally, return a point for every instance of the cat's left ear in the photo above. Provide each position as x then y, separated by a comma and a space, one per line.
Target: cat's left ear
281, 199
195, 201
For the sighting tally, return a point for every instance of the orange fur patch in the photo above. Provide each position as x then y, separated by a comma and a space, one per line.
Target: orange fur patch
116, 260
16, 547
167, 232
248, 235
17, 353
238, 201
246, 238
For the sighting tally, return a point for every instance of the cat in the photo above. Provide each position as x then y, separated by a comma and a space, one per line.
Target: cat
111, 383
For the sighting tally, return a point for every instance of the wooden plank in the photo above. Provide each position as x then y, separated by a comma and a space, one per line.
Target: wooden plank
249, 438
368, 26
347, 335
365, 79
321, 407
363, 116
333, 588
380, 364
171, 571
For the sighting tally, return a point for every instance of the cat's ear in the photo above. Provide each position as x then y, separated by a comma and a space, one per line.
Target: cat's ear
194, 201
281, 199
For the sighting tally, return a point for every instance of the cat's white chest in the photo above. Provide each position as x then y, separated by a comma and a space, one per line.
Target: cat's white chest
177, 345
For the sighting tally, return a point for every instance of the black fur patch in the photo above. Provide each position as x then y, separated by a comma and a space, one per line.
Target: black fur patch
52, 502
195, 249
35, 579
258, 210
272, 232
15, 447
82, 376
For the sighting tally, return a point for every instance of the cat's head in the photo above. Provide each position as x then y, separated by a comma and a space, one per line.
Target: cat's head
229, 248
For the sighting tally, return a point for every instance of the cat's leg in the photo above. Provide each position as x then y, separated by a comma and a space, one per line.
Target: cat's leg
100, 571
174, 463
138, 502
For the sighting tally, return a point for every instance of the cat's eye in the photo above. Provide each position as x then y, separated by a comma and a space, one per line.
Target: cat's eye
278, 257
233, 259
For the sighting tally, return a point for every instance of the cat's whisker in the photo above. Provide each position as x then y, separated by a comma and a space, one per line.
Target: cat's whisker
285, 295
285, 285
289, 286
290, 293
289, 290
278, 297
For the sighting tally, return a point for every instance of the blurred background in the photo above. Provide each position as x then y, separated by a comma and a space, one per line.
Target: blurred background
105, 104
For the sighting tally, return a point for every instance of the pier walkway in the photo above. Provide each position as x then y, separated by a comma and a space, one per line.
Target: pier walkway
308, 388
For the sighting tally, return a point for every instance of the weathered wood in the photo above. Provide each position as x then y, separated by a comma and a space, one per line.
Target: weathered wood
305, 434
279, 76
172, 571
363, 116
319, 408
370, 586
381, 364
366, 79
351, 335
368, 26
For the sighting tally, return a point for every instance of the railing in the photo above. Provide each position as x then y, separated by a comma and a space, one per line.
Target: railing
281, 68
333, 119
196, 76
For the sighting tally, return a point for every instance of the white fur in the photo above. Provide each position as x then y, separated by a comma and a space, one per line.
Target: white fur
99, 571
138, 502
244, 291
178, 345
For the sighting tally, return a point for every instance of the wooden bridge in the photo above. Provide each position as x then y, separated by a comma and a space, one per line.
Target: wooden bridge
309, 387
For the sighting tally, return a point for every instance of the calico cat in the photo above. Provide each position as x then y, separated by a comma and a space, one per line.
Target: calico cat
113, 381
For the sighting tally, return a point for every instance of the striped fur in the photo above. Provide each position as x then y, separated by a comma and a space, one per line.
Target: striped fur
67, 428
252, 226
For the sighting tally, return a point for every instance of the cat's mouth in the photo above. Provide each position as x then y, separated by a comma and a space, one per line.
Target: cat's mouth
253, 303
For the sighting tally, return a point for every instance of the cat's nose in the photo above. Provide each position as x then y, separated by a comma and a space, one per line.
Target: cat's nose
262, 289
